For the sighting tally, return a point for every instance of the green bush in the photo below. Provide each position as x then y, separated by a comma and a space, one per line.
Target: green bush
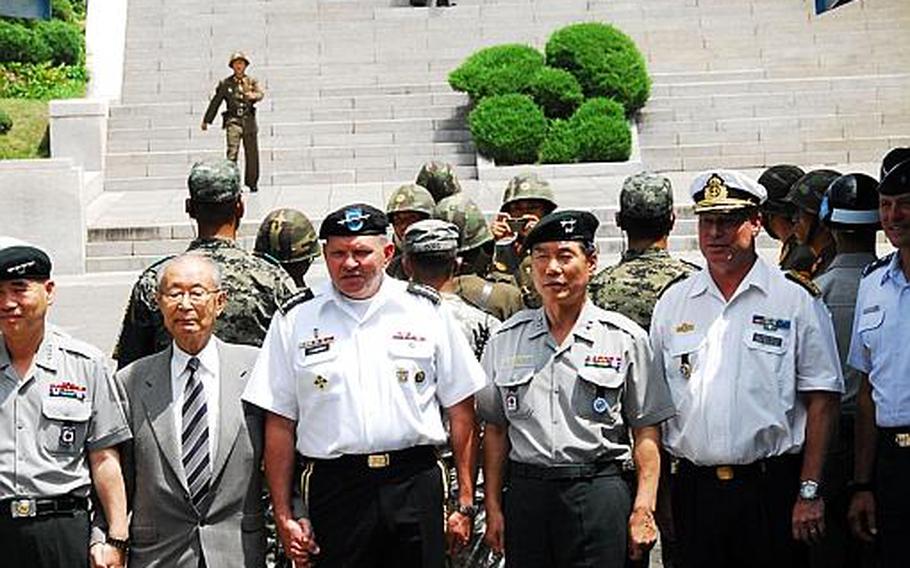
41, 81
6, 123
556, 91
508, 128
497, 70
63, 10
604, 60
598, 107
561, 144
20, 43
64, 40
603, 139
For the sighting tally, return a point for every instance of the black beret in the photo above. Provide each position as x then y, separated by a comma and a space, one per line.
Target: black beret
564, 225
19, 260
897, 181
354, 220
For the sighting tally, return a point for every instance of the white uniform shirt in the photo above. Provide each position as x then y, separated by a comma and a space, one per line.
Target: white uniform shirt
735, 368
208, 373
881, 330
358, 385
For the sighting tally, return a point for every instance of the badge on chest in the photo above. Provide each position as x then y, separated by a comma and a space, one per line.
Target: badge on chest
317, 344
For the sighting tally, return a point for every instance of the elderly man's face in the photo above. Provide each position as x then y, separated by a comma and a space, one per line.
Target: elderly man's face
190, 301
356, 264
23, 305
561, 271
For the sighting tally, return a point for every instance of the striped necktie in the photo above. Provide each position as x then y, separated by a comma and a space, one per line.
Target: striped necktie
195, 438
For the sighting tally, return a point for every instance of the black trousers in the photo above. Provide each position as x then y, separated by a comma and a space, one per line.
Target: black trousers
741, 522
892, 500
577, 522
53, 541
389, 517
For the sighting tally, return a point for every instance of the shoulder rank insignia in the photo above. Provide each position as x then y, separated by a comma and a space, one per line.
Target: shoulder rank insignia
876, 264
300, 297
676, 280
424, 291
809, 285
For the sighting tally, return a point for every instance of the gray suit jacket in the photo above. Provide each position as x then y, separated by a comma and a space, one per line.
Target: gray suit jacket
165, 528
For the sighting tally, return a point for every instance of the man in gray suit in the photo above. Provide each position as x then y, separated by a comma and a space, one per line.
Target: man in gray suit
193, 467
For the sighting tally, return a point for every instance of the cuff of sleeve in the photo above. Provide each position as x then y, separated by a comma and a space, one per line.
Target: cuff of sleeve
654, 418
110, 440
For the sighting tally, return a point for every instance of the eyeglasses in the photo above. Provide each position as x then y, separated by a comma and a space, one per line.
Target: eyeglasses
197, 296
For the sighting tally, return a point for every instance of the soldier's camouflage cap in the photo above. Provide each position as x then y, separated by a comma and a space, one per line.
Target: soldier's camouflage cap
238, 55
439, 179
808, 191
461, 210
778, 180
431, 236
20, 260
725, 191
411, 197
214, 182
288, 236
646, 196
528, 186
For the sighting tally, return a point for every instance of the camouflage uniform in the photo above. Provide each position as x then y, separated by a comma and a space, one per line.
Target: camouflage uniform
255, 286
440, 180
413, 198
287, 236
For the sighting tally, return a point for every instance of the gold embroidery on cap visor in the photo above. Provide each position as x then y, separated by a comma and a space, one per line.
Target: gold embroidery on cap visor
716, 197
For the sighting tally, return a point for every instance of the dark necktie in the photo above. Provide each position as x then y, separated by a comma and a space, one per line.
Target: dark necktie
195, 438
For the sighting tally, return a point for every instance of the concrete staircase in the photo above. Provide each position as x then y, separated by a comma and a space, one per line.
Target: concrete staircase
356, 98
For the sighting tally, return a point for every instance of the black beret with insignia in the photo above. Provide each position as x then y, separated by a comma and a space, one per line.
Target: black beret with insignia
20, 260
897, 180
565, 225
354, 220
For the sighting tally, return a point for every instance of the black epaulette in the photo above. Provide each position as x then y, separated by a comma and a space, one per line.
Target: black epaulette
676, 280
300, 297
877, 263
424, 291
809, 285
690, 264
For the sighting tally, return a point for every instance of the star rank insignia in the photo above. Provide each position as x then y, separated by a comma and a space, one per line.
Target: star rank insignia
320, 382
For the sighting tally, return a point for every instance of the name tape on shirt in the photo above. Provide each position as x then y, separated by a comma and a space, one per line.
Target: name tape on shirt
407, 336
767, 339
67, 389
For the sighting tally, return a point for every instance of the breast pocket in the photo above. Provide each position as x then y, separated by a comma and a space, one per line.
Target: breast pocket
682, 356
766, 357
413, 367
869, 327
65, 425
514, 386
317, 377
597, 395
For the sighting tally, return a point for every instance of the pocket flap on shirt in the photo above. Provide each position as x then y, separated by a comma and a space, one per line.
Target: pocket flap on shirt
514, 377
411, 349
607, 378
66, 409
870, 320
681, 344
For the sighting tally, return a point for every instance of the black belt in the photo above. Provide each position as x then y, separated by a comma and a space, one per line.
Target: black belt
898, 438
379, 461
573, 471
737, 471
28, 507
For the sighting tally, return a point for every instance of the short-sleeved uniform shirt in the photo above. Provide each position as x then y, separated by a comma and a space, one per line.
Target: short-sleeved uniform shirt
571, 403
364, 377
881, 328
736, 368
65, 408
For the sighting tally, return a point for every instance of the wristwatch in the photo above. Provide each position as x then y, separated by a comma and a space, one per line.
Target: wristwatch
121, 544
469, 511
808, 490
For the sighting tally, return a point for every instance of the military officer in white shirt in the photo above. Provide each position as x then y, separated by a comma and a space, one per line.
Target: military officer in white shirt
880, 508
751, 360
354, 377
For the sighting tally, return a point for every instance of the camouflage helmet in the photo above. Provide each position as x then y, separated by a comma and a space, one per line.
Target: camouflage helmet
807, 192
528, 186
777, 181
467, 216
439, 178
645, 196
238, 55
287, 235
410, 197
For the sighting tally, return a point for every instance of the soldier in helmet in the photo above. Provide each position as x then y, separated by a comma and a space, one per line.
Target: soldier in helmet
287, 236
255, 286
849, 209
806, 195
439, 178
240, 93
894, 157
407, 205
778, 216
526, 200
474, 255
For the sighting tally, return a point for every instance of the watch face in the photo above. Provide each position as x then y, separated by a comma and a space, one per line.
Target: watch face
808, 490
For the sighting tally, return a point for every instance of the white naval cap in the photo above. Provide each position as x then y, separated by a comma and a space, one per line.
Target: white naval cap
723, 191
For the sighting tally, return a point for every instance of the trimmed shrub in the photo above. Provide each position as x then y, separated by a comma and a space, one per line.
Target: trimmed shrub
561, 144
508, 128
64, 40
41, 81
497, 70
605, 61
556, 91
20, 43
63, 10
603, 139
6, 123
598, 107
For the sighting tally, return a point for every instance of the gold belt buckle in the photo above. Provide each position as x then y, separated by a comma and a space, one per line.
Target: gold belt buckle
23, 508
724, 472
377, 461
902, 440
